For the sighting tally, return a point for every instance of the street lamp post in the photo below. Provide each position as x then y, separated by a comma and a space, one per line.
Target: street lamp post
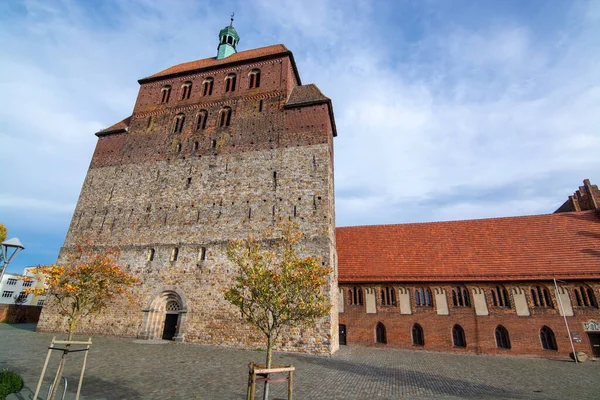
562, 310
9, 245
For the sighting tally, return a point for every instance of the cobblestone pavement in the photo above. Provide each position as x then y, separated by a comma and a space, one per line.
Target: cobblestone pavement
128, 369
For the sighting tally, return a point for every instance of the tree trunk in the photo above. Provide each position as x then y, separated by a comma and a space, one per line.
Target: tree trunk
268, 365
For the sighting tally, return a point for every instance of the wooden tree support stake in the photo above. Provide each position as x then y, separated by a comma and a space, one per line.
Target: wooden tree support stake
257, 373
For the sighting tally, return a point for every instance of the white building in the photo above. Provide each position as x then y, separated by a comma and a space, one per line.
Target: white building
13, 286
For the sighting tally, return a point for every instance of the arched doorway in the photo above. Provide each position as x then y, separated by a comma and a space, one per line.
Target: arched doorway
165, 316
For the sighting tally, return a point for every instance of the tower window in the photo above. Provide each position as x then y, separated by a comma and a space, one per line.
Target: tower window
151, 253
202, 254
230, 83
179, 120
186, 90
225, 116
207, 87
260, 106
254, 76
213, 144
201, 120
188, 183
174, 253
165, 93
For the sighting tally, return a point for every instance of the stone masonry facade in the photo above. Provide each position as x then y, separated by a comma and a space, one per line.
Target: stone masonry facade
173, 183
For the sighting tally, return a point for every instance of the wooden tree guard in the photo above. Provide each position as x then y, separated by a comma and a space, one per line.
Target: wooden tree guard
65, 350
259, 373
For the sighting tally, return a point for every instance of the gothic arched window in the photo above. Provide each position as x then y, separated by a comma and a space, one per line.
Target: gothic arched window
460, 297
548, 339
458, 336
423, 297
585, 297
502, 338
380, 335
254, 77
355, 296
417, 335
541, 297
388, 297
500, 297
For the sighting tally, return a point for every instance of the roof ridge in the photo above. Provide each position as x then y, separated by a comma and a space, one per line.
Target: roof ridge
557, 215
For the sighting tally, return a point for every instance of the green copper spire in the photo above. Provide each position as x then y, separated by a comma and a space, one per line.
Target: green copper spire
228, 39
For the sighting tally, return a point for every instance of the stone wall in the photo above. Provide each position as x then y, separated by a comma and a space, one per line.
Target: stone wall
154, 190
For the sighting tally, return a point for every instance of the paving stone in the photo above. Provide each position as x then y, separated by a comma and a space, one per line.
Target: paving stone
127, 369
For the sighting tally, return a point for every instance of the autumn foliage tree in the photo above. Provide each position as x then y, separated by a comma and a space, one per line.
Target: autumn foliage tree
275, 287
85, 284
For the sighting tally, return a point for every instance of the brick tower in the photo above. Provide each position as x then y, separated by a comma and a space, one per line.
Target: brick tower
215, 149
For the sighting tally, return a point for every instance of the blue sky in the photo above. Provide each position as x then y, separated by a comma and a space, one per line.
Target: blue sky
445, 109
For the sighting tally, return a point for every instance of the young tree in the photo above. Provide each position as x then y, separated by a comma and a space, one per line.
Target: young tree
275, 287
3, 234
85, 285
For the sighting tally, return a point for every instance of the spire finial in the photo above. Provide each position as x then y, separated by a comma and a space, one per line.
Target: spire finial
232, 15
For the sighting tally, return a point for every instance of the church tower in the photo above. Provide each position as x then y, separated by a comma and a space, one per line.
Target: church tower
214, 150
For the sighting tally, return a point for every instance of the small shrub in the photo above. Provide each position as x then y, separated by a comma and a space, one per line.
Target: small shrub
10, 382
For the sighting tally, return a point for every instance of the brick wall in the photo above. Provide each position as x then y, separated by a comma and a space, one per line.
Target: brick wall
12, 313
524, 331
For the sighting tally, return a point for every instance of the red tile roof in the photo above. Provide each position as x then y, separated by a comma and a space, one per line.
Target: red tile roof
120, 126
213, 62
565, 246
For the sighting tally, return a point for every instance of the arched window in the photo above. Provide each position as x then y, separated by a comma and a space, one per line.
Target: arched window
225, 116
230, 83
423, 297
355, 296
165, 93
500, 297
179, 120
541, 297
201, 120
207, 86
458, 336
380, 333
417, 335
502, 338
585, 297
254, 77
460, 297
186, 90
388, 297
548, 339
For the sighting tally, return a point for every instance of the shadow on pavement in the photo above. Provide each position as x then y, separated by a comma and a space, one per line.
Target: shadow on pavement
407, 379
